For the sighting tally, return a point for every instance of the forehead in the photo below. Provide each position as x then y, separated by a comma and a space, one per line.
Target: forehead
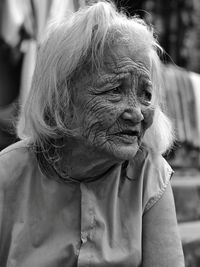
117, 60
132, 56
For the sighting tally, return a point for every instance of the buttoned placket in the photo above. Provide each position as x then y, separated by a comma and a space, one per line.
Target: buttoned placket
87, 226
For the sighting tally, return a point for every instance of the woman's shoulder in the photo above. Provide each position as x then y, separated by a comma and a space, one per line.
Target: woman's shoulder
156, 165
16, 152
14, 160
153, 174
147, 163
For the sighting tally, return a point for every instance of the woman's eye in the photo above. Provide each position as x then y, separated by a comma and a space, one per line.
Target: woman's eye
116, 90
145, 92
146, 97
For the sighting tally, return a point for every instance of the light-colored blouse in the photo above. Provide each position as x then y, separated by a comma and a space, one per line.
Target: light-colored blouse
47, 223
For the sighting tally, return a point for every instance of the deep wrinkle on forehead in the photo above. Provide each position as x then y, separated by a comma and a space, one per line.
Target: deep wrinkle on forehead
119, 63
121, 69
119, 60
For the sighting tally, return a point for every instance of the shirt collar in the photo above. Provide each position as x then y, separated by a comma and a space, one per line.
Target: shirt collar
135, 165
130, 173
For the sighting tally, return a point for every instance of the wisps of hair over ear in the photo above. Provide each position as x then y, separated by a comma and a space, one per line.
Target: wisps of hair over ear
160, 136
71, 44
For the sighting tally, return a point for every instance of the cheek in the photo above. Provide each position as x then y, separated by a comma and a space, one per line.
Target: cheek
100, 113
148, 114
108, 116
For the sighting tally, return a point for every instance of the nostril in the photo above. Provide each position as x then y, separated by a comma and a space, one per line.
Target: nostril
133, 115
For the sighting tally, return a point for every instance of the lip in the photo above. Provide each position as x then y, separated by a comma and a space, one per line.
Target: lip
129, 135
132, 132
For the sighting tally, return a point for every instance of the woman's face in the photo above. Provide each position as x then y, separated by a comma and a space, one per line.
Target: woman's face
113, 106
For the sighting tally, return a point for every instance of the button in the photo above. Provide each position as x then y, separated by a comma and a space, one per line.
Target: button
84, 236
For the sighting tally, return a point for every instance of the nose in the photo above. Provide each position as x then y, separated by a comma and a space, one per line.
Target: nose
133, 115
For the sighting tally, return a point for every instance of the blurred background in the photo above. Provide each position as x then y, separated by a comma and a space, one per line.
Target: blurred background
177, 27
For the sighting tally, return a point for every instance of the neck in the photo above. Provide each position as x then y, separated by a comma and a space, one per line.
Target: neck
82, 161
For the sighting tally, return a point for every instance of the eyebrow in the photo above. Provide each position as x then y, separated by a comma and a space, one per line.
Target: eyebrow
106, 79
121, 71
128, 65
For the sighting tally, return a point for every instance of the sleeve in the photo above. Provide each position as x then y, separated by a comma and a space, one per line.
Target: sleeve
156, 177
4, 219
10, 172
1, 208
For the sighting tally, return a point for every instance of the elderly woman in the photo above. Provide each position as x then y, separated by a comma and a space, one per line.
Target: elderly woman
87, 185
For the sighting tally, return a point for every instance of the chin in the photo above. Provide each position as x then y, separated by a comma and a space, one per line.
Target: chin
118, 149
126, 148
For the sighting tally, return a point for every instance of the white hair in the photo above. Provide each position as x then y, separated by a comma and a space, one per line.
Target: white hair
68, 47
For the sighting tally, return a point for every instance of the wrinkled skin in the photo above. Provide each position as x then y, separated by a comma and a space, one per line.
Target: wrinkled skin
114, 105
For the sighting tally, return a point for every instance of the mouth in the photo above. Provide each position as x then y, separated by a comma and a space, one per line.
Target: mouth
131, 133
129, 136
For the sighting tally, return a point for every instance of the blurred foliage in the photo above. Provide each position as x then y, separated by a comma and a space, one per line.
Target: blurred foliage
177, 24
